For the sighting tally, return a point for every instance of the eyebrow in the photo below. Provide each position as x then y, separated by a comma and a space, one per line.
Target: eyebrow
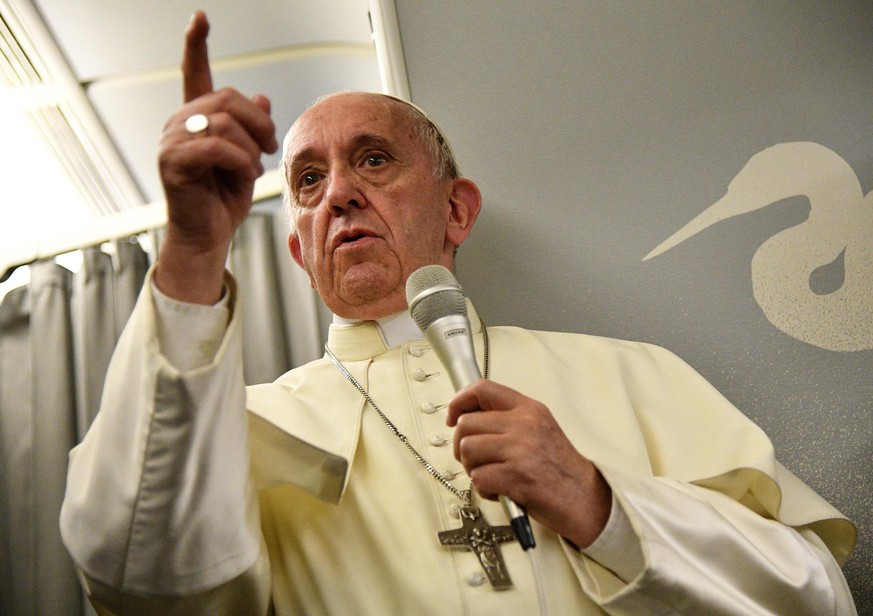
358, 142
368, 140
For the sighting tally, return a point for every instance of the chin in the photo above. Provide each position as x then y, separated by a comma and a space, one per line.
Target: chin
369, 303
367, 290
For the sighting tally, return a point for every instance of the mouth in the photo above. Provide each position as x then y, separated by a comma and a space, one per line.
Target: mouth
352, 237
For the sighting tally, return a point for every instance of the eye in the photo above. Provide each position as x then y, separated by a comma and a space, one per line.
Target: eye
309, 178
375, 160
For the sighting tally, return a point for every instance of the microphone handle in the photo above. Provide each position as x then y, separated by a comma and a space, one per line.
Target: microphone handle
520, 523
451, 337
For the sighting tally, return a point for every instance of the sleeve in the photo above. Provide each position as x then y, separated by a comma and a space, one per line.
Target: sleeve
160, 514
676, 548
189, 335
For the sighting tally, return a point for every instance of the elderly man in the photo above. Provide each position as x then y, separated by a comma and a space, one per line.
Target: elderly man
348, 485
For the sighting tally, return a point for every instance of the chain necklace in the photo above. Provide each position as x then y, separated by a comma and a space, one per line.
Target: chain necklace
476, 535
464, 495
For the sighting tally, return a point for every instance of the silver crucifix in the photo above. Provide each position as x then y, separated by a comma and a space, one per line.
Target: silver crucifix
484, 540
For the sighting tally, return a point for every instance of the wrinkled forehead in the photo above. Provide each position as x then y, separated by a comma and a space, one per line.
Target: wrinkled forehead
341, 118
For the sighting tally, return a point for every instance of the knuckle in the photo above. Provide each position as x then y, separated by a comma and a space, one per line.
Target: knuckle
224, 91
219, 123
226, 94
464, 449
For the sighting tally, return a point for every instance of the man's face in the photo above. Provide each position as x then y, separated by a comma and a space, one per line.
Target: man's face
370, 210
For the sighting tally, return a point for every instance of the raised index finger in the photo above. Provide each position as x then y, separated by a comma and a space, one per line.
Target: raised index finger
196, 75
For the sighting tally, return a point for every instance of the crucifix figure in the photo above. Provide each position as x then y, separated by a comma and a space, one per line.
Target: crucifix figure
484, 540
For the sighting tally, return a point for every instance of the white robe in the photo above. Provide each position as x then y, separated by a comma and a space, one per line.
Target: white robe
334, 516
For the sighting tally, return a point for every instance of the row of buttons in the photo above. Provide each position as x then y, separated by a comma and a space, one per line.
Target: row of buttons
429, 408
476, 578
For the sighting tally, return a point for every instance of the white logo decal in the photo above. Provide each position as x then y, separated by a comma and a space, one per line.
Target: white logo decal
838, 233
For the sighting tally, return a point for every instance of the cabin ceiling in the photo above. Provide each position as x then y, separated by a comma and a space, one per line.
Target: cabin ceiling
119, 61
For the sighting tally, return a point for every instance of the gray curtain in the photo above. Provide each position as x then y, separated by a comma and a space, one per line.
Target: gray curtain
104, 292
57, 335
38, 426
285, 323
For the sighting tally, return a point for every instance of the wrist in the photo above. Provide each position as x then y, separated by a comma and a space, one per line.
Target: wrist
596, 503
191, 274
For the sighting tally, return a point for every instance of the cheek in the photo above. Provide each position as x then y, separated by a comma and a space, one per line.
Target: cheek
428, 223
308, 235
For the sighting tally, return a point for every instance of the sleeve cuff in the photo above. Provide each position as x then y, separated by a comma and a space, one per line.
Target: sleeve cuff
617, 547
189, 335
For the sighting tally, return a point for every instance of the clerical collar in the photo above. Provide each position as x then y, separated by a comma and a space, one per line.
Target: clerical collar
394, 329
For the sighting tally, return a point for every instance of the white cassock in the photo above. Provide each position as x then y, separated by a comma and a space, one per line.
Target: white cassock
164, 514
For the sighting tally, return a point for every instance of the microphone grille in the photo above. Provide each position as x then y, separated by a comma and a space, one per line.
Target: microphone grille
432, 292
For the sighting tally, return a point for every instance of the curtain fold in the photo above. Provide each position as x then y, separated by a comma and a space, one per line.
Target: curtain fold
57, 335
104, 293
15, 392
284, 321
38, 415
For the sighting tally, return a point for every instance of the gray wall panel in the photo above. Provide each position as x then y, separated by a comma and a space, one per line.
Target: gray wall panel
597, 130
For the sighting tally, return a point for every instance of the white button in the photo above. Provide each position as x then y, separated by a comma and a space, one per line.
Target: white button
416, 351
476, 579
419, 375
449, 475
456, 511
428, 408
438, 441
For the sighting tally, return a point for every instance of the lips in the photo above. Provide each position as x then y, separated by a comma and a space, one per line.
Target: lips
348, 237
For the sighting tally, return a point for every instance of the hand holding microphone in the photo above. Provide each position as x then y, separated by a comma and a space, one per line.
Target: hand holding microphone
437, 304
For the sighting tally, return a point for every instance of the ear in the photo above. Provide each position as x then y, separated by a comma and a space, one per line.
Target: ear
297, 255
465, 201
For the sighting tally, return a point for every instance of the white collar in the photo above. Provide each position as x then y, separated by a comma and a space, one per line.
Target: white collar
395, 329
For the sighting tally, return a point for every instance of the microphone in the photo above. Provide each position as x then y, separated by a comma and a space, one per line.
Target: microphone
438, 306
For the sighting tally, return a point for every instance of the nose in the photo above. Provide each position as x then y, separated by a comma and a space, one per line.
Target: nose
343, 193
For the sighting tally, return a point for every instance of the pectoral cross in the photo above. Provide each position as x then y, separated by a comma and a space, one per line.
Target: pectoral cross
484, 540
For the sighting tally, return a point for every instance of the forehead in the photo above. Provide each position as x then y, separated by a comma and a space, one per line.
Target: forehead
343, 120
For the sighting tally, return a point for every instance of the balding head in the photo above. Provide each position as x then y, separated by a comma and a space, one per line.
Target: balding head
431, 139
371, 201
